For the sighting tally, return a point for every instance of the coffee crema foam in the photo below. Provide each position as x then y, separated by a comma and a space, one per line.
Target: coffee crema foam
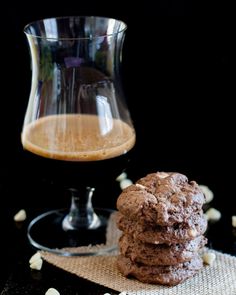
78, 137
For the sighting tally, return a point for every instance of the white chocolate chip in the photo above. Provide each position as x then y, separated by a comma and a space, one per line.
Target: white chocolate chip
192, 233
121, 177
20, 216
123, 293
213, 214
162, 174
209, 258
207, 192
37, 264
125, 183
35, 257
107, 294
52, 291
36, 261
234, 221
140, 186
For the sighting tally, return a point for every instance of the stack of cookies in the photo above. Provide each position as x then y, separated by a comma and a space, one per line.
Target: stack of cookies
162, 222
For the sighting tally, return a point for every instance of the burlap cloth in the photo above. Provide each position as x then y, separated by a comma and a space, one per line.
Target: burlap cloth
217, 279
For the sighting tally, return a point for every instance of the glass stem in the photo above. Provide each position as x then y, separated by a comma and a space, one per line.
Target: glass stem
81, 214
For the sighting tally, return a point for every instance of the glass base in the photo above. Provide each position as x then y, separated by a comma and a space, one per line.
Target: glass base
45, 232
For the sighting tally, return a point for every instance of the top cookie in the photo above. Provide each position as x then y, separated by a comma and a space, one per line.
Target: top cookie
161, 198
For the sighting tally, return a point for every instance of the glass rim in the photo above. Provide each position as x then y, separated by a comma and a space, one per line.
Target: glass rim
27, 26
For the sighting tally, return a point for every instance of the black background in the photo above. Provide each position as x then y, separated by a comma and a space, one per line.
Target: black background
178, 77
179, 80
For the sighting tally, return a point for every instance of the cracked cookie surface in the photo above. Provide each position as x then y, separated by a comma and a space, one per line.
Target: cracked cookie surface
161, 198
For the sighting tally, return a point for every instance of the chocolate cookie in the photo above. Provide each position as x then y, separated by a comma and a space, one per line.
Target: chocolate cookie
155, 234
161, 254
161, 198
165, 275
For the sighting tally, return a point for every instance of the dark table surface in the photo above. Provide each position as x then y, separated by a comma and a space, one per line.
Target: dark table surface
16, 275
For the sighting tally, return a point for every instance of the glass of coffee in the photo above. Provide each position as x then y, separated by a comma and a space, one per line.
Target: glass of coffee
78, 123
